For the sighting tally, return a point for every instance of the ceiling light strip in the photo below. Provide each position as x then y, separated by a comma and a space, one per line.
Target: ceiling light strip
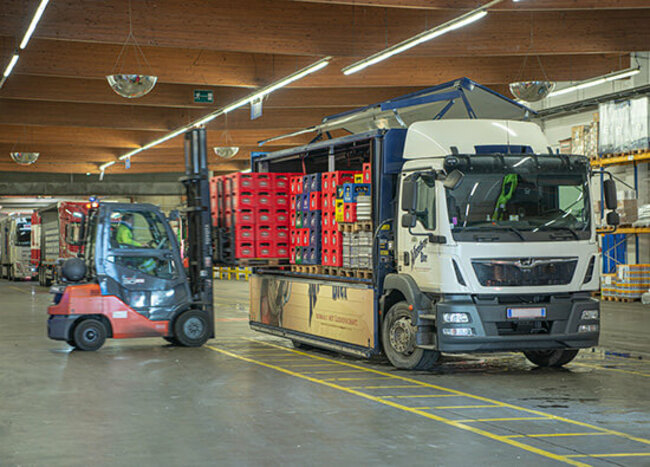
32, 25
456, 23
260, 93
596, 81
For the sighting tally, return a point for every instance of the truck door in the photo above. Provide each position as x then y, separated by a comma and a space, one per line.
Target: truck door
417, 254
142, 262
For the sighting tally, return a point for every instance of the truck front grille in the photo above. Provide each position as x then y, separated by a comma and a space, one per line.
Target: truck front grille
522, 272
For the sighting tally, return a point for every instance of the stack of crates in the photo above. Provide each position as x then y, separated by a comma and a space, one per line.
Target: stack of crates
347, 196
253, 209
332, 240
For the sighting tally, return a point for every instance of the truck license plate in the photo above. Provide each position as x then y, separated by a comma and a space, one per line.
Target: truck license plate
526, 313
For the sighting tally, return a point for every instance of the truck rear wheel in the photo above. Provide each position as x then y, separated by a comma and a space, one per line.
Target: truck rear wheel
398, 339
191, 328
552, 358
89, 334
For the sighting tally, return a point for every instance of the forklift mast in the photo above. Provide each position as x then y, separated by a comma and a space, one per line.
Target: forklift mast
199, 235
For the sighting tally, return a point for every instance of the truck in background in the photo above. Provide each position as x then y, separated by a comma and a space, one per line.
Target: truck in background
58, 235
15, 234
482, 239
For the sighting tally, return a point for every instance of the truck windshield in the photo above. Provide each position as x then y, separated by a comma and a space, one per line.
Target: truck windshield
520, 205
23, 231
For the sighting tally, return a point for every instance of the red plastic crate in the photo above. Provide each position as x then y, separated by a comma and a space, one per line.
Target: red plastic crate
328, 220
294, 237
293, 200
240, 201
282, 250
244, 233
331, 179
282, 216
367, 173
350, 212
265, 200
239, 182
304, 237
335, 239
282, 182
315, 201
281, 201
264, 181
296, 184
327, 202
264, 215
292, 254
265, 249
264, 233
336, 257
281, 233
240, 218
245, 250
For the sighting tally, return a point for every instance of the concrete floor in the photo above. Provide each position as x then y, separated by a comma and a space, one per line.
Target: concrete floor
250, 399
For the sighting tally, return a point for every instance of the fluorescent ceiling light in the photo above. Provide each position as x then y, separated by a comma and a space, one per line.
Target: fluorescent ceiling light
322, 63
32, 25
596, 81
456, 23
10, 66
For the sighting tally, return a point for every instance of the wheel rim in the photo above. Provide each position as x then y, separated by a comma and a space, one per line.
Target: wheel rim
402, 335
193, 327
90, 335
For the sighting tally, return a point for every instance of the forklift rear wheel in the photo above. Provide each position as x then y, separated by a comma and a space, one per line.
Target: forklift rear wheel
398, 340
191, 328
89, 334
552, 358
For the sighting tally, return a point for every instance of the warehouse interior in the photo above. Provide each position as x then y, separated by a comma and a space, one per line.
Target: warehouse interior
303, 232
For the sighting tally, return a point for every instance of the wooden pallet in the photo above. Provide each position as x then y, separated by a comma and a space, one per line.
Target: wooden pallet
307, 268
622, 154
620, 299
348, 272
364, 226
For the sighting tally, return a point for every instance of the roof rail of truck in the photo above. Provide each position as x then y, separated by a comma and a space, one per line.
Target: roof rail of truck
457, 99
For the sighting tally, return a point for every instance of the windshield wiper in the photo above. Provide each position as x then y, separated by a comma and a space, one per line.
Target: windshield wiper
557, 227
494, 227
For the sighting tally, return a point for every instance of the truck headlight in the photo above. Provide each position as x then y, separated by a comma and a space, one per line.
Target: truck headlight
589, 314
455, 318
458, 332
588, 328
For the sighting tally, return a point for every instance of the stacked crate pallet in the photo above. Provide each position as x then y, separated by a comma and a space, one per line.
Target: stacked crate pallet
628, 283
252, 211
332, 238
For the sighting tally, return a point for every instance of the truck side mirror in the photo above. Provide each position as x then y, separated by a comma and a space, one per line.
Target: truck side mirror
409, 195
609, 189
408, 220
452, 180
613, 218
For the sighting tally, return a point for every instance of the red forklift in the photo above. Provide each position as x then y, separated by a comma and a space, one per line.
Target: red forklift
131, 281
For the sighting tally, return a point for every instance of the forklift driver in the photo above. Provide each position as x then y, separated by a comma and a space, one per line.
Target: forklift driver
124, 238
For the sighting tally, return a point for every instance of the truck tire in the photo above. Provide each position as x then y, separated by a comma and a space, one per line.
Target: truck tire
191, 328
89, 335
398, 340
550, 358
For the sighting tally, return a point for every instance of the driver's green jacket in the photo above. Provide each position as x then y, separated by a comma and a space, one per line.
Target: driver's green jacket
125, 236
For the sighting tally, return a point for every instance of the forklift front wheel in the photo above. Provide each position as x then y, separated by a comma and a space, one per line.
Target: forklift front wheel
191, 328
89, 334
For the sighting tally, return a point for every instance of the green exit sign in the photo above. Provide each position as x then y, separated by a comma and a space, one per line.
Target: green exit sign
203, 96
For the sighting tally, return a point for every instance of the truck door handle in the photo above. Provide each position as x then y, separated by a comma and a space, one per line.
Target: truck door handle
407, 258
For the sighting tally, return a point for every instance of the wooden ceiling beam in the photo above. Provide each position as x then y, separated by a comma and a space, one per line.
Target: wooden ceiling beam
81, 168
299, 28
184, 66
97, 91
19, 112
123, 140
461, 5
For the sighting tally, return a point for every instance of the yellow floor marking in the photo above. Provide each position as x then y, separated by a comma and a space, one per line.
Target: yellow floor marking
491, 406
505, 419
617, 454
404, 408
356, 379
600, 367
559, 435
309, 365
420, 395
19, 290
409, 386
461, 393
330, 371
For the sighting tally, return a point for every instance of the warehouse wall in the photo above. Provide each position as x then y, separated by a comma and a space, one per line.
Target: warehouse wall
558, 128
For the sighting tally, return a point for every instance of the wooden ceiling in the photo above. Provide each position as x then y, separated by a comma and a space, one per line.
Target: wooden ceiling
58, 102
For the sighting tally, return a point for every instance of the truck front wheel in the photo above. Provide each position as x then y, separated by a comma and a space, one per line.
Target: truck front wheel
553, 358
398, 339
